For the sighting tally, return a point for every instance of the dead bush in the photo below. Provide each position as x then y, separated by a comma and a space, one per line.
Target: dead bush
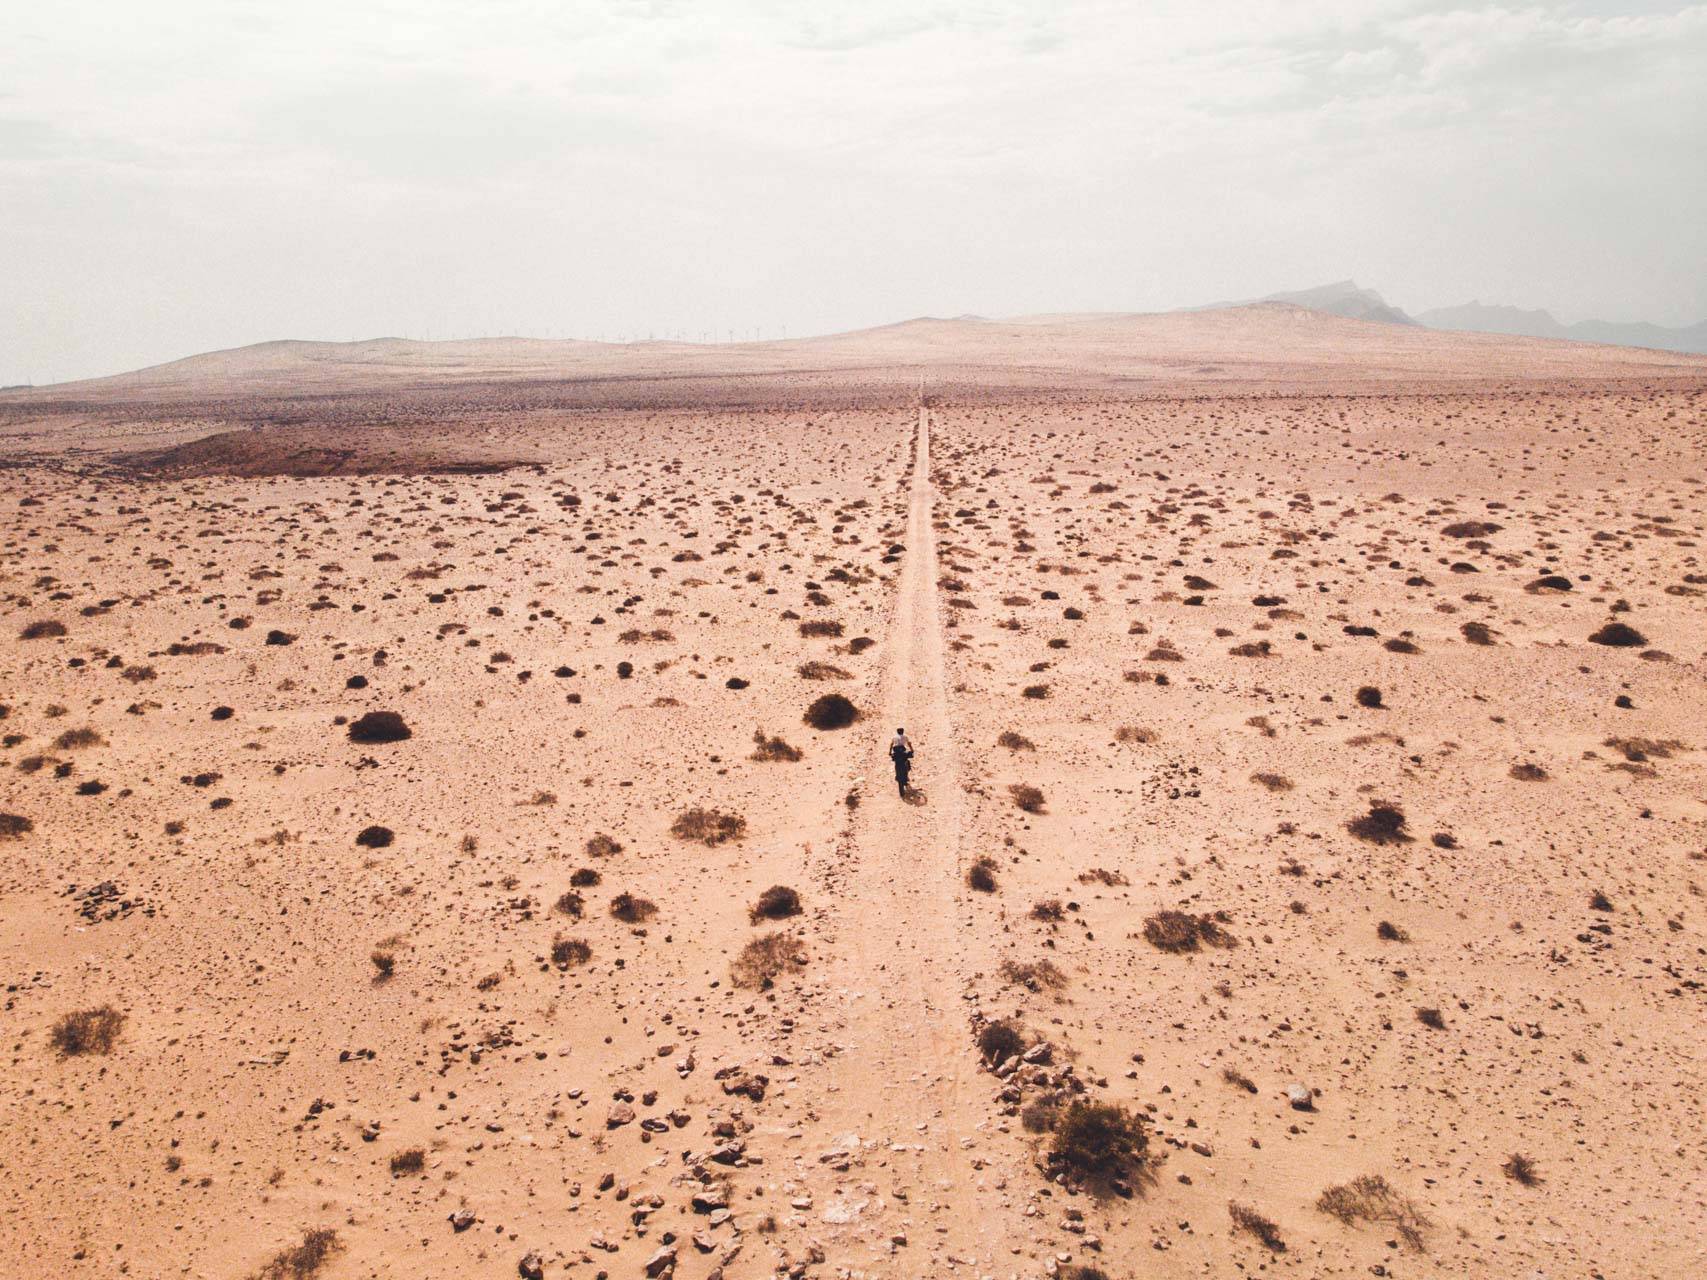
832, 711
823, 671
1037, 692
1040, 1115
88, 1031
1431, 1019
1181, 931
1015, 742
1133, 734
374, 837
42, 629
1238, 1079
569, 903
406, 1162
773, 750
765, 959
1618, 635
1048, 909
632, 910
1100, 1139
304, 1260
1477, 633
1272, 781
1528, 772
981, 875
14, 826
379, 726
821, 627
1251, 1222
383, 963
1387, 931
1034, 975
1383, 824
603, 846
1103, 876
567, 953
776, 903
1521, 1169
1370, 697
1000, 1040
710, 827
1370, 1199
1026, 797
72, 739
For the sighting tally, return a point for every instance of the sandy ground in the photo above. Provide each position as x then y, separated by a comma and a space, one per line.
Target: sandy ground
360, 987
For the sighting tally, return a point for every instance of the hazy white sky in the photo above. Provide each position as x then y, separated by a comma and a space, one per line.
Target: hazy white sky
181, 175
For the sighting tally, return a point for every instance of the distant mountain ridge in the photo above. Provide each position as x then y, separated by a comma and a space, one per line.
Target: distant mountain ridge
1477, 317
1345, 298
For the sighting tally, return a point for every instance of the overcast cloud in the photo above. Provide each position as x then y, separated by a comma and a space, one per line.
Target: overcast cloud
191, 174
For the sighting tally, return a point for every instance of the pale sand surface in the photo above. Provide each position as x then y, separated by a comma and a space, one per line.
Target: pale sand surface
1157, 556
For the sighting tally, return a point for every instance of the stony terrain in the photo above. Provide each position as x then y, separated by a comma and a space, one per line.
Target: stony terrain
435, 841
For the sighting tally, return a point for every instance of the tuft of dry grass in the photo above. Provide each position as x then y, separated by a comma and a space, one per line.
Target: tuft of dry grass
1015, 741
1371, 1199
765, 959
1238, 1079
710, 827
88, 1031
603, 846
72, 739
1181, 931
1133, 734
1272, 781
303, 1260
823, 671
1048, 910
42, 629
1251, 1222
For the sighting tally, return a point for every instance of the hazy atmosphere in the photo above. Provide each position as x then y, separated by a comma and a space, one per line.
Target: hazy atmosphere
184, 176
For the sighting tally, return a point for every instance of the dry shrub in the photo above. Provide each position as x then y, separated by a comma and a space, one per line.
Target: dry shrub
567, 953
569, 903
1238, 1079
776, 903
1370, 697
832, 711
375, 837
1527, 772
88, 1031
303, 1260
1477, 633
1035, 691
1034, 975
1000, 1040
1521, 1169
379, 726
1383, 824
1048, 909
1015, 741
1102, 875
711, 827
1618, 635
764, 959
411, 1161
1431, 1019
1471, 529
1079, 1271
1387, 931
72, 739
981, 875
632, 910
1370, 1199
1131, 733
14, 826
1027, 797
584, 878
1248, 1220
42, 629
1040, 1115
603, 846
1100, 1139
821, 627
1273, 781
823, 671
383, 963
773, 750
1181, 931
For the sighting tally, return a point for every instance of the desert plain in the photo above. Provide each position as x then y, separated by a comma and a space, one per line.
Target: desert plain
446, 827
